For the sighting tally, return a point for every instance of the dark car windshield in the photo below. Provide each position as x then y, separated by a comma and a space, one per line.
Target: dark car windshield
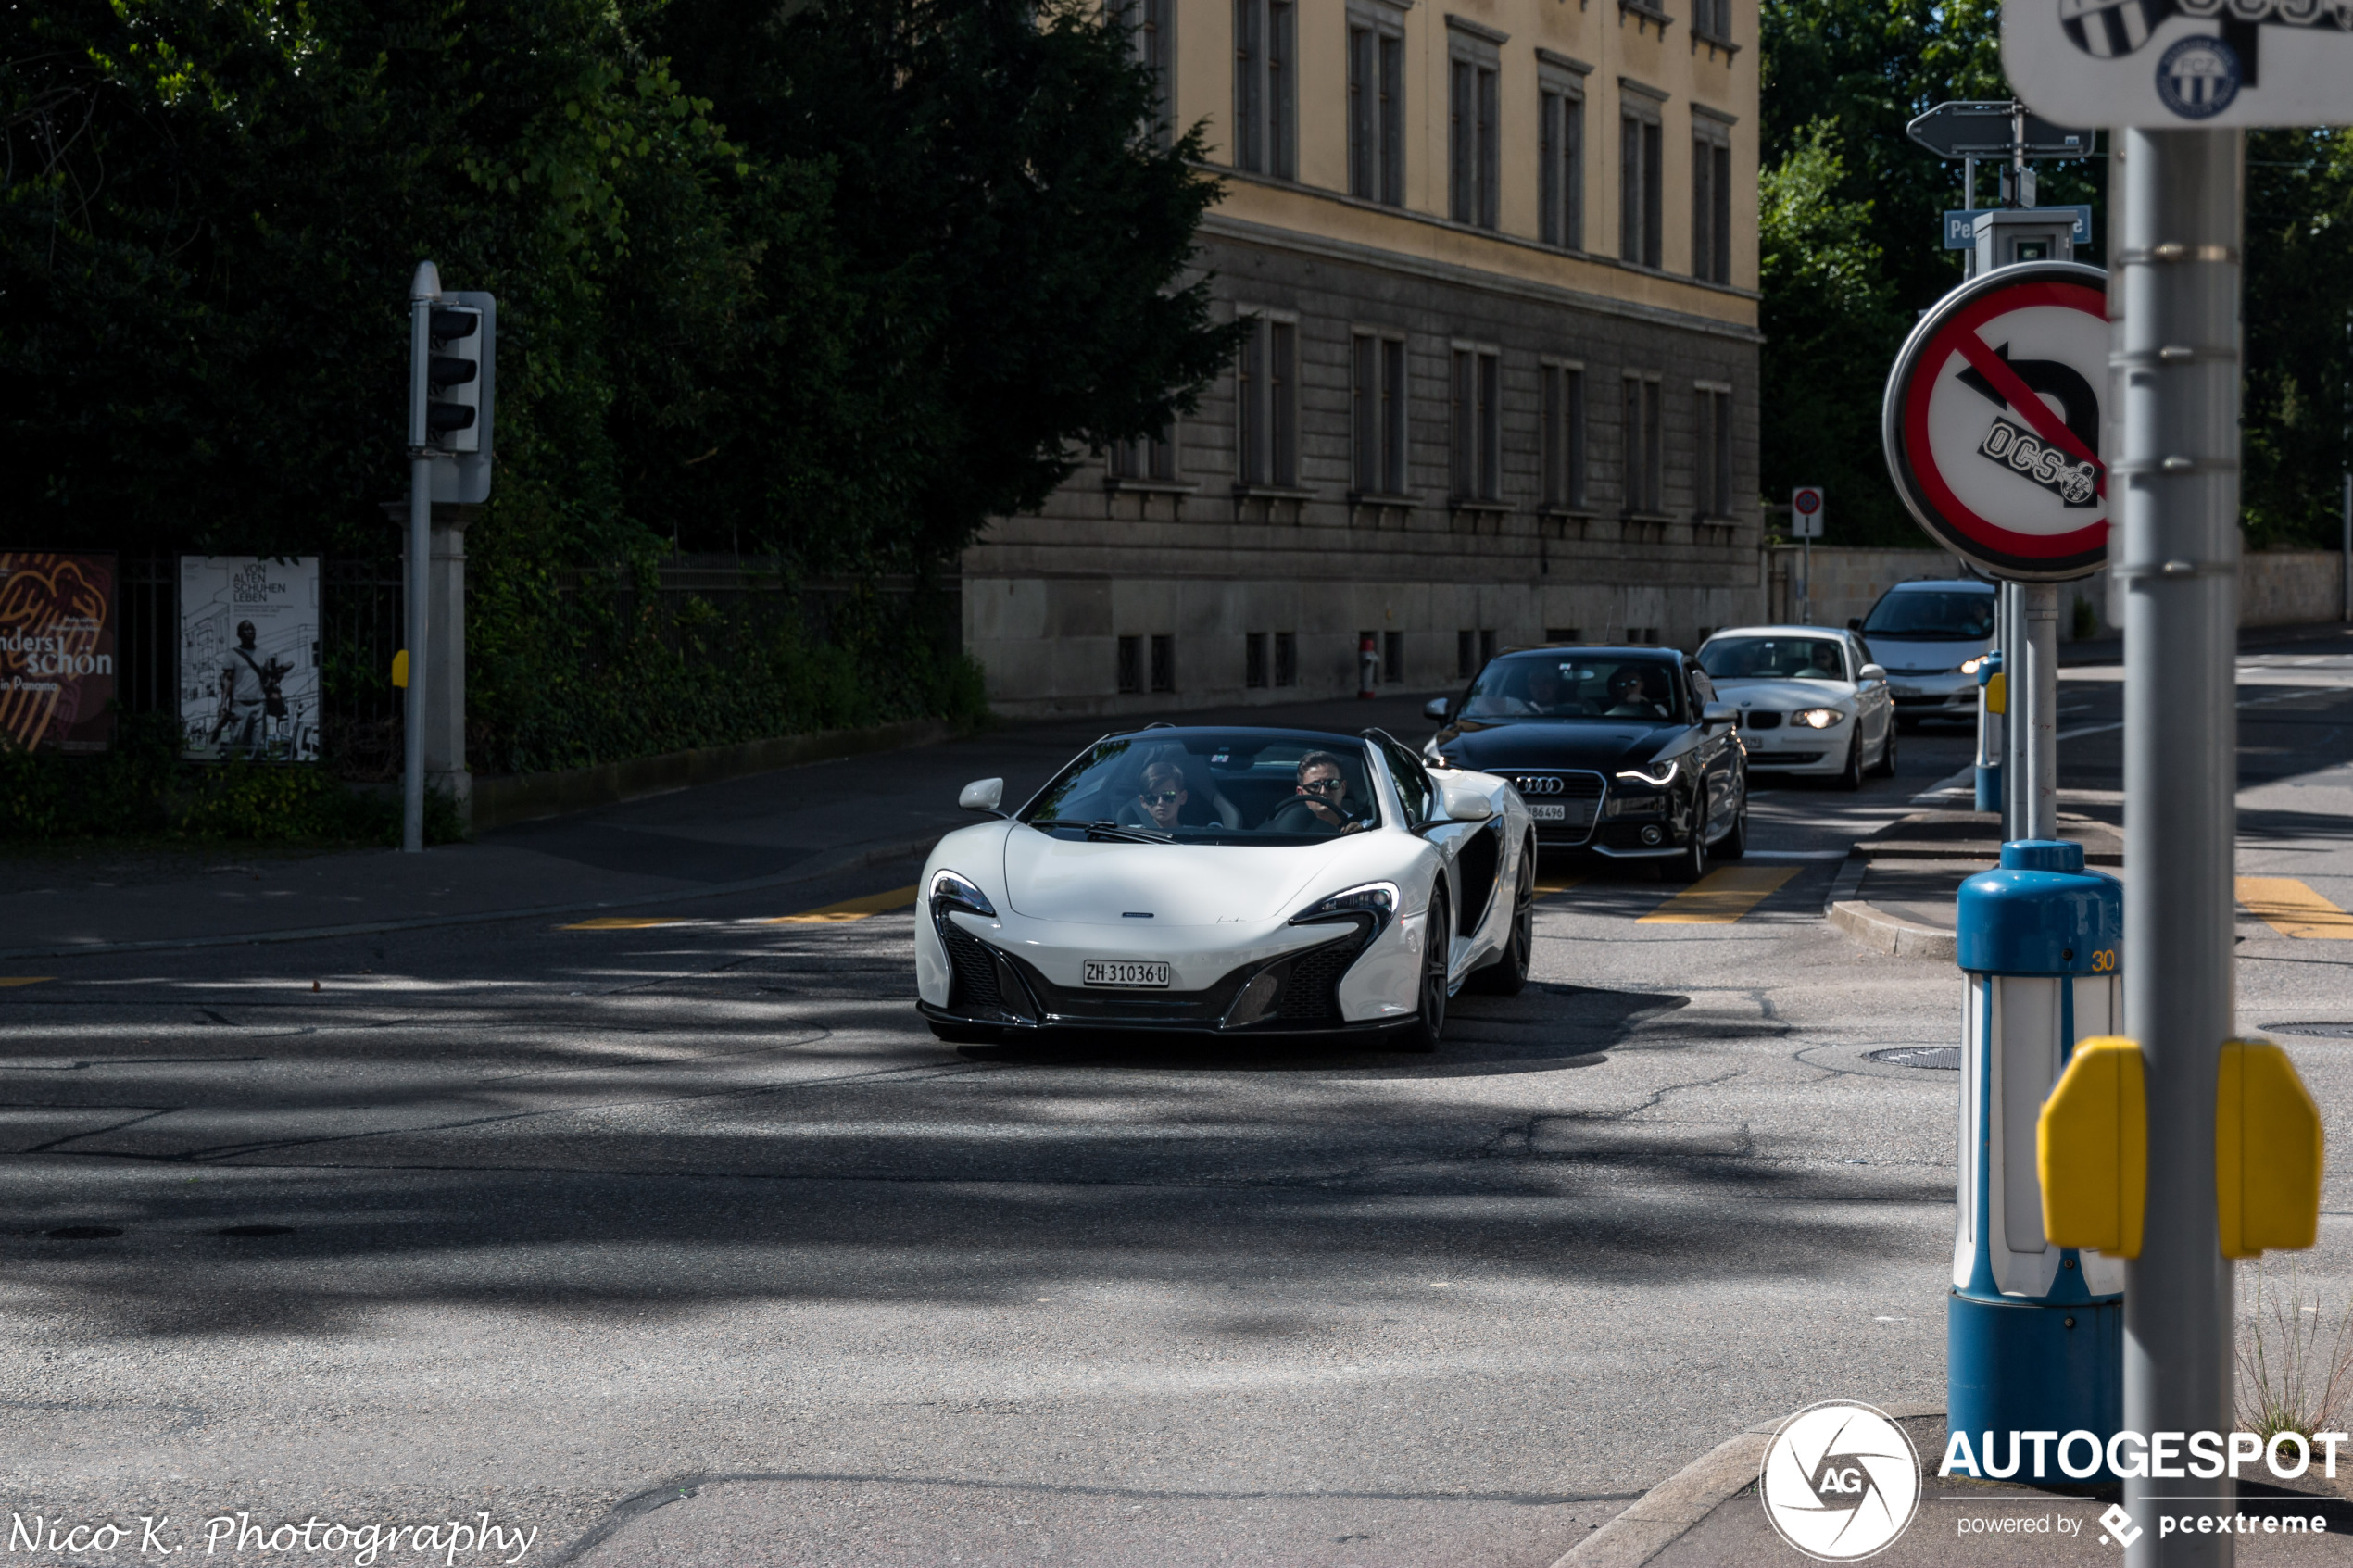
1773, 659
1211, 787
1956, 617
1573, 685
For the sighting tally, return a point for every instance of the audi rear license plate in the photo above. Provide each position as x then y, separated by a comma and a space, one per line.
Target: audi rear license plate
1548, 810
1125, 973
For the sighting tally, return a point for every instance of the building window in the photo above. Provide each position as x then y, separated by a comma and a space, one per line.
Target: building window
1376, 392
1266, 405
1393, 657
1466, 654
1474, 144
1641, 634
1149, 458
1477, 426
1255, 658
1712, 19
1131, 665
1564, 436
1164, 664
1377, 110
1265, 108
1640, 199
1560, 165
1645, 445
1152, 30
1286, 658
1711, 201
1563, 635
1714, 456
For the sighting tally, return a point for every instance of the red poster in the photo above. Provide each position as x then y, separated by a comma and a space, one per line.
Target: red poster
56, 650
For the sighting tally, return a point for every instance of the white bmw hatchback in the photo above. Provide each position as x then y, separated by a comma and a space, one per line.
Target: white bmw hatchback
1811, 702
1230, 881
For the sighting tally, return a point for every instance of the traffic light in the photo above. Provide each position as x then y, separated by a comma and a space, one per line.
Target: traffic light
453, 388
454, 379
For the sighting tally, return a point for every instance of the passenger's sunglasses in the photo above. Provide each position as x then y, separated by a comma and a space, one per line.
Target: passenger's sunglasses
1166, 798
1326, 786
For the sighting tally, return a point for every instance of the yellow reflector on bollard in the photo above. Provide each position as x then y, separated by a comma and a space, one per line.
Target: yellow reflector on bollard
1996, 693
400, 668
2266, 1152
2092, 1150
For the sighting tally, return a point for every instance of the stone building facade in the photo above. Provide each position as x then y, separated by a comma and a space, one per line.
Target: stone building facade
1503, 381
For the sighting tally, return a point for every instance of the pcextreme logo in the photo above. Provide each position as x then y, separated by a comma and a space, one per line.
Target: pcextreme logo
1840, 1481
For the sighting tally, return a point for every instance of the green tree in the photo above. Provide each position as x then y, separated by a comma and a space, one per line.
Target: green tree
2299, 335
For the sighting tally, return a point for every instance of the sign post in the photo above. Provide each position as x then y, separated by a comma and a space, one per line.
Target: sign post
1805, 524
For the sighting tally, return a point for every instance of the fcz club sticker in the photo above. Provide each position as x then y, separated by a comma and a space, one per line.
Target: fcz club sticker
2075, 482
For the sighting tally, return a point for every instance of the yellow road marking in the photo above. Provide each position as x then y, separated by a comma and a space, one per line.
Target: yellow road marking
1557, 884
2292, 909
849, 909
24, 979
1721, 897
625, 922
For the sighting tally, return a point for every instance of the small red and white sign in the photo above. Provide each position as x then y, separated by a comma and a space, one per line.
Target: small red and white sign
1806, 512
1992, 421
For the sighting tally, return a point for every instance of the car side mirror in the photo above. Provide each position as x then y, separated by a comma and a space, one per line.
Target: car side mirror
1874, 672
982, 795
1435, 710
1719, 716
1465, 804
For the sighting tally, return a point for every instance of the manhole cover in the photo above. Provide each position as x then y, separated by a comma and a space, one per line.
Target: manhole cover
1948, 1057
2324, 1027
83, 1233
257, 1230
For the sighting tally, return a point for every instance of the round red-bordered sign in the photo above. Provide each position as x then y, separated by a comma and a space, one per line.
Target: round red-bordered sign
1992, 421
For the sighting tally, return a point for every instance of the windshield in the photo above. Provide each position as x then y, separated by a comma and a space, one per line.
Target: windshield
1210, 786
1773, 659
1556, 686
1954, 617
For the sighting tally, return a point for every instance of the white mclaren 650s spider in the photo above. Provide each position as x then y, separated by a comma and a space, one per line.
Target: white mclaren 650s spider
1231, 883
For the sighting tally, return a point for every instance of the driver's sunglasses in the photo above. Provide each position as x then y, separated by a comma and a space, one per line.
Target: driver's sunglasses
1326, 786
1166, 798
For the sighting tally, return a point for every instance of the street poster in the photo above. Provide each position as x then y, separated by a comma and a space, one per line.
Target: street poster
250, 658
1992, 421
2182, 65
56, 650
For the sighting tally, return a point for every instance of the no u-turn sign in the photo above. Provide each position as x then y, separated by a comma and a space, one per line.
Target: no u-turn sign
1992, 421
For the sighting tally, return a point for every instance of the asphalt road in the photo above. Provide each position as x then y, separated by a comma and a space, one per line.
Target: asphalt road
686, 1243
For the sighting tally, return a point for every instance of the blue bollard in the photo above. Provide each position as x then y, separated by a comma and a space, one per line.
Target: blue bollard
1990, 716
2034, 1333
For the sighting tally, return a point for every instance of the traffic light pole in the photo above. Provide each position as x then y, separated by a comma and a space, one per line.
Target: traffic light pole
2178, 346
422, 292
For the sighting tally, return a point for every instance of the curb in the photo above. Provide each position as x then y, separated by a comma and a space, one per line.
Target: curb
1874, 928
871, 855
1660, 1516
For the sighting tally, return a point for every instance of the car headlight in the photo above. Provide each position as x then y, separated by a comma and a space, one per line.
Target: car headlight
952, 891
1968, 667
1658, 775
1816, 717
1378, 900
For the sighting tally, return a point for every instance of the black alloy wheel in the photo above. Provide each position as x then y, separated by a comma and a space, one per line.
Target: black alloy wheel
1886, 767
1735, 845
1852, 777
1429, 1013
1507, 976
1692, 864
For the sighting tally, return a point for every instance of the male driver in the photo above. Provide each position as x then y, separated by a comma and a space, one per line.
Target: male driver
1320, 803
1633, 694
1164, 795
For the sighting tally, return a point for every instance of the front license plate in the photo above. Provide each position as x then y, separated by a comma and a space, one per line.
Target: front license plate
1547, 812
1903, 691
1123, 972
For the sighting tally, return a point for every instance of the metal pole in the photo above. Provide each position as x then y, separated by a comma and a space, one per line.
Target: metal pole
2348, 547
2178, 345
422, 292
2036, 685
2018, 677
1806, 599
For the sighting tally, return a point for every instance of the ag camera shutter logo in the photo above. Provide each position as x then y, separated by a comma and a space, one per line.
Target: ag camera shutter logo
1840, 1481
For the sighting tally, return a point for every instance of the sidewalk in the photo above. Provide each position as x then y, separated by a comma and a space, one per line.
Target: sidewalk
768, 830
1897, 892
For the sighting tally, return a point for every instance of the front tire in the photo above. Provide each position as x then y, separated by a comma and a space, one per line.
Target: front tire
1507, 976
1886, 769
1735, 845
1852, 777
1692, 864
1429, 1009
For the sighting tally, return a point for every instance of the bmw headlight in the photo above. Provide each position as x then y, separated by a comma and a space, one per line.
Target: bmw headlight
1378, 900
1658, 775
952, 891
1816, 717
